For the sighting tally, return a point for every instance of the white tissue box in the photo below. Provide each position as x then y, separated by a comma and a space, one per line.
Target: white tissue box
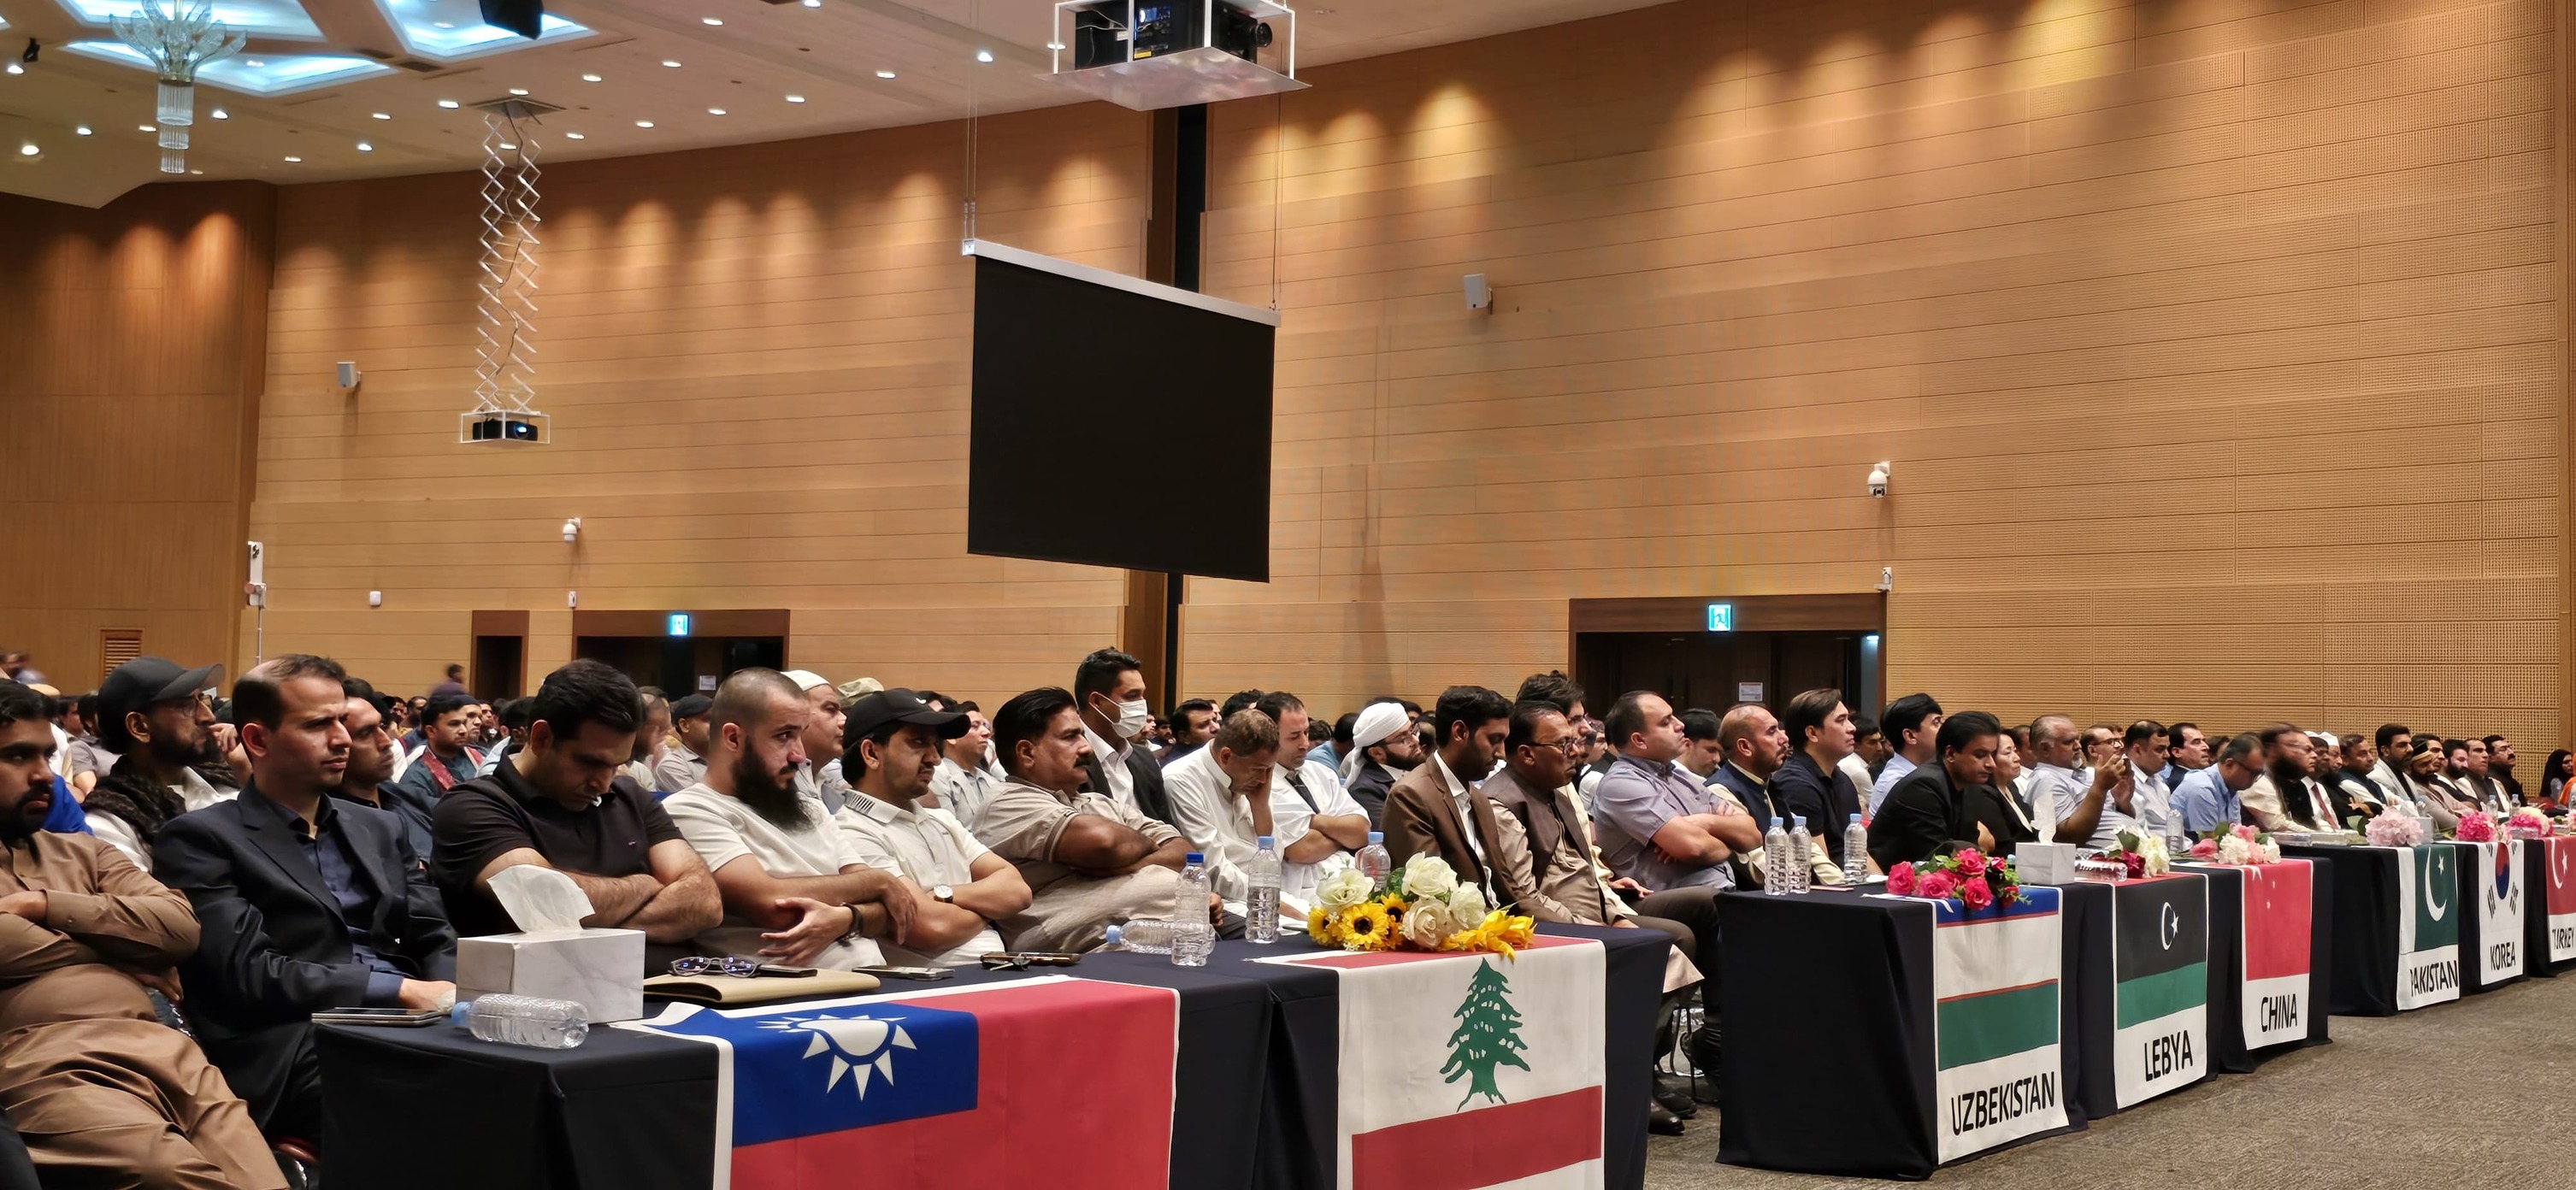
601, 970
2044, 863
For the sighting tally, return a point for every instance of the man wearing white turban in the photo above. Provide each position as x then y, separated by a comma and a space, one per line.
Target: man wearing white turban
1383, 748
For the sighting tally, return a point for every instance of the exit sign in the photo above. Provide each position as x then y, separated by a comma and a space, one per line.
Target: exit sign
1721, 617
679, 624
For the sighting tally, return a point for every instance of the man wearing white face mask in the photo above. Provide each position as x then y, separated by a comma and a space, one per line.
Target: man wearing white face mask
1109, 690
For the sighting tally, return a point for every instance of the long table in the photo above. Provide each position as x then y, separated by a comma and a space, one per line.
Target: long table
2549, 873
1254, 1103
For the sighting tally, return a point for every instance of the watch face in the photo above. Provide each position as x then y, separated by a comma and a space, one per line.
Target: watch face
943, 894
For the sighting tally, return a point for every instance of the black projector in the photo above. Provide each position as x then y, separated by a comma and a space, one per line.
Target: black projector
1100, 37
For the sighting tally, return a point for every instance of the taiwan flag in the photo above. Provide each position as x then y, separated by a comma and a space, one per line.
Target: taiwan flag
1462, 1071
961, 1088
2279, 938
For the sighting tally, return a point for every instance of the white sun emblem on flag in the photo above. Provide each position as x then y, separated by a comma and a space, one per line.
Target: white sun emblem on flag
860, 1043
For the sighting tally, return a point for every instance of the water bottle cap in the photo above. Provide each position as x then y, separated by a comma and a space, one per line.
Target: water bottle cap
1377, 836
1797, 822
1261, 843
462, 1014
1855, 819
1196, 858
1114, 935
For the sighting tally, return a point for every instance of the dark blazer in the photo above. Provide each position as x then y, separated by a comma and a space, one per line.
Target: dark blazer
1148, 776
1921, 817
1368, 786
1822, 795
272, 946
1422, 819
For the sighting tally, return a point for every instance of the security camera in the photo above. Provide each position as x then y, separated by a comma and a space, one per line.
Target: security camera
1878, 482
572, 530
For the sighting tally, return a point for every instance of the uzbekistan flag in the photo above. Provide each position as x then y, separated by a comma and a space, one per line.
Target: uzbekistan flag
2561, 859
961, 1088
2160, 998
1995, 1023
2280, 916
1463, 1071
2498, 874
2428, 926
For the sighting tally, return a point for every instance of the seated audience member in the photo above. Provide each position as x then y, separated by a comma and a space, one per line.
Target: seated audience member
1869, 752
819, 777
1193, 725
2083, 806
1752, 746
2479, 779
2010, 782
2423, 773
2500, 770
2351, 775
2207, 799
644, 755
2285, 797
304, 902
2142, 747
1336, 743
1810, 783
1434, 810
1303, 786
2101, 747
562, 803
1383, 748
2186, 752
2396, 748
84, 759
1942, 807
2555, 773
368, 780
511, 715
958, 886
157, 725
101, 1091
449, 757
1111, 686
965, 780
1910, 723
1701, 751
684, 763
1089, 862
1223, 799
796, 888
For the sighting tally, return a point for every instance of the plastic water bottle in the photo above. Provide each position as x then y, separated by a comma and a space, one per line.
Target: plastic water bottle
1193, 939
1776, 858
1372, 860
1855, 853
526, 1020
1116, 940
1804, 846
1145, 935
1261, 905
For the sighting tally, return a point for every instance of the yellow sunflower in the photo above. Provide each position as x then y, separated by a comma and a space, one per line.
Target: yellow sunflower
1365, 927
1319, 925
1393, 903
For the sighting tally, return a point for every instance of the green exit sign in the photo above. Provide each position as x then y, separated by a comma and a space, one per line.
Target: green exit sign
1721, 617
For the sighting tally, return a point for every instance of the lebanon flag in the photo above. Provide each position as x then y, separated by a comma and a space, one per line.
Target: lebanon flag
942, 1088
2561, 861
2428, 926
2160, 1001
1994, 1022
1461, 1071
2280, 910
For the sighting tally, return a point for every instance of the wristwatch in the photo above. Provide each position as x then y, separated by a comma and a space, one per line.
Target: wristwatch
943, 894
858, 921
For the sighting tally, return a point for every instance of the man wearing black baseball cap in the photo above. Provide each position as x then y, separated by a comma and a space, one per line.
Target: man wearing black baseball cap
890, 747
155, 717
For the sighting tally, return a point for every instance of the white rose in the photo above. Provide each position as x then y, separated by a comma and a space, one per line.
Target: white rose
1467, 904
1344, 888
1427, 924
2271, 852
2158, 861
1428, 876
2231, 849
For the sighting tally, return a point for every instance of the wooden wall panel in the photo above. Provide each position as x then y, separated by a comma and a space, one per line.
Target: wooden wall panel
2217, 345
756, 363
129, 363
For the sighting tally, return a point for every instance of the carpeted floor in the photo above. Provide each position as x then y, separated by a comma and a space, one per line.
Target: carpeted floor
2395, 1102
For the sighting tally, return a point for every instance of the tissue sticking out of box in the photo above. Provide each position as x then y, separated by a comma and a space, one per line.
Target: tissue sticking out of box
543, 902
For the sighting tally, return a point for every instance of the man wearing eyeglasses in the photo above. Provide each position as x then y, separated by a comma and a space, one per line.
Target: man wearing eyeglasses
155, 717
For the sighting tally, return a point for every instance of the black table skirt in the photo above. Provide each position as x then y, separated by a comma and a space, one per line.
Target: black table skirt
2226, 967
2365, 912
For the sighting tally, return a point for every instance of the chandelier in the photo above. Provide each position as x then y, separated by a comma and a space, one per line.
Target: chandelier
177, 43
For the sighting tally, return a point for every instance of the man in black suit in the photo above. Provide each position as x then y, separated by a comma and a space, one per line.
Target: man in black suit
1109, 690
304, 902
1946, 805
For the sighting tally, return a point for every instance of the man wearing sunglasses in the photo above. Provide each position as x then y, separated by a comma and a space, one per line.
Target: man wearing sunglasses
154, 716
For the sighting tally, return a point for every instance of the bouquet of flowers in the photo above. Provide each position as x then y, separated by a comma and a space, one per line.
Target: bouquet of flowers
2394, 829
1967, 876
1421, 906
2237, 844
2528, 822
2138, 854
2475, 827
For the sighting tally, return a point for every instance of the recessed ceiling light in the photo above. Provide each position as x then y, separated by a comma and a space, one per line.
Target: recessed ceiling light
885, 74
14, 68
447, 103
709, 21
295, 160
983, 55
83, 130
364, 147
28, 150
790, 99
382, 115
573, 136
643, 123
143, 128
518, 90
220, 114
443, 24
673, 65
590, 78
715, 111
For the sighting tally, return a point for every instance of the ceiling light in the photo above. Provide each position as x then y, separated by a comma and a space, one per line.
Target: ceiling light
14, 68
518, 90
83, 130
364, 147
1055, 45
29, 150
295, 160
143, 128
709, 21
885, 74
983, 55
590, 78
447, 103
795, 99
381, 115
715, 111
643, 123
572, 136
220, 114
673, 65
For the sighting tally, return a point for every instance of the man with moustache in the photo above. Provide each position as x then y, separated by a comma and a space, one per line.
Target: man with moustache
2286, 797
2500, 769
156, 722
964, 779
1434, 810
2186, 752
101, 1091
959, 888
796, 888
1088, 861
304, 901
1111, 686
1752, 746
819, 776
1384, 747
2209, 797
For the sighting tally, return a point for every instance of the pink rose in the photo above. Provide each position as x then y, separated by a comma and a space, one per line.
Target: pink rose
1938, 886
1900, 880
2205, 849
1976, 895
1971, 862
2135, 863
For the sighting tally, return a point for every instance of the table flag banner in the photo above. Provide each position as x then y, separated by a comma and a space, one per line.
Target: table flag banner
2160, 995
1463, 1071
2428, 926
2561, 857
2498, 877
1995, 1027
2280, 908
954, 1088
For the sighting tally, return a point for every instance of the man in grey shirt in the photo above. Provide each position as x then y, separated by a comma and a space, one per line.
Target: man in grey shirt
1659, 826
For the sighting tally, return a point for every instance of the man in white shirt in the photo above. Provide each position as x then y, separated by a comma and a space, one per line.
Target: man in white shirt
1224, 798
1109, 691
797, 889
820, 776
963, 781
959, 887
2086, 809
1335, 821
2144, 746
1911, 723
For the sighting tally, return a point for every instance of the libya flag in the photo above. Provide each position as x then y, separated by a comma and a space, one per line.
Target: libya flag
2160, 1001
2279, 913
1995, 1024
2560, 861
2428, 926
